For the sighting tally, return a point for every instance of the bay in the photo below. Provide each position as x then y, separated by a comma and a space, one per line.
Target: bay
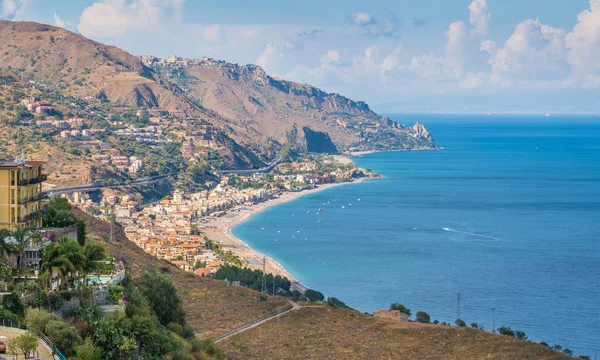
507, 215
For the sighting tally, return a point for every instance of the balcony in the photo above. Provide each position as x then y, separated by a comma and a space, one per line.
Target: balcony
33, 216
31, 199
33, 181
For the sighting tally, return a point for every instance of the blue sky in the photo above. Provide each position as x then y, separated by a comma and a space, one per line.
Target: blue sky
398, 55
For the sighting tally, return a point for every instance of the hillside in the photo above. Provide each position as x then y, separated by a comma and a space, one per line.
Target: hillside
248, 97
212, 307
243, 101
334, 333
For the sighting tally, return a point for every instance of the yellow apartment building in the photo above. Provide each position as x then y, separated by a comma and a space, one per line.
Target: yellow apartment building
21, 194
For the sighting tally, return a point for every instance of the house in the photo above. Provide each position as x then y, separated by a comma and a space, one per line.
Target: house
182, 264
391, 315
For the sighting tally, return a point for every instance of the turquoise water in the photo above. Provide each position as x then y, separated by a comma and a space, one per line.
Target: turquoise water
508, 215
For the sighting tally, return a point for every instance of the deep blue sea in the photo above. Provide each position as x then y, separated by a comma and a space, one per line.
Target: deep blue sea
508, 214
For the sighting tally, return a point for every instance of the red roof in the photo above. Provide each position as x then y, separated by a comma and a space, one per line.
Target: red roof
34, 163
202, 272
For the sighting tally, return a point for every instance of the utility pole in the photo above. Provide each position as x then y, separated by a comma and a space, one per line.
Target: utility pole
493, 320
458, 307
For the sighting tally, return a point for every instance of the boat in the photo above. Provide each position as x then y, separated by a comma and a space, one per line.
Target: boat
308, 212
320, 209
547, 115
446, 229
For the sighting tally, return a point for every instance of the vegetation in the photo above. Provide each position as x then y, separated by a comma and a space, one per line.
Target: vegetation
252, 279
227, 256
25, 344
423, 317
401, 308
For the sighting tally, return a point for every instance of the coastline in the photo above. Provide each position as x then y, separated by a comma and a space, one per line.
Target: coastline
224, 236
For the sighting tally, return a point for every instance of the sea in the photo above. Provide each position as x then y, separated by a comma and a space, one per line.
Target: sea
500, 228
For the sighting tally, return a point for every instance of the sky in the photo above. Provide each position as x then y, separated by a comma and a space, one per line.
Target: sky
398, 55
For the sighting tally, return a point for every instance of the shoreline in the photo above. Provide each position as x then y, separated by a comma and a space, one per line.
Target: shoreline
230, 242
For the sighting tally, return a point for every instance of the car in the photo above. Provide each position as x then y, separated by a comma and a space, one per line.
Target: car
2, 347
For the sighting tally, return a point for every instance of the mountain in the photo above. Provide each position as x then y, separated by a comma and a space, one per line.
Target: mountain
275, 108
201, 112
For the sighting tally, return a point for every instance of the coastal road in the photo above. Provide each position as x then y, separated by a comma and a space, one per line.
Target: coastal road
293, 306
265, 169
97, 185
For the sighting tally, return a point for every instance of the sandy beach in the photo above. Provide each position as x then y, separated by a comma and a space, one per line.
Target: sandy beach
223, 225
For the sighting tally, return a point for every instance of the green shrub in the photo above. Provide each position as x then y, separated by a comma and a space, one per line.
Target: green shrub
401, 308
505, 330
37, 319
423, 317
63, 335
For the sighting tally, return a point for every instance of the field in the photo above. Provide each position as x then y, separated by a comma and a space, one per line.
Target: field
334, 333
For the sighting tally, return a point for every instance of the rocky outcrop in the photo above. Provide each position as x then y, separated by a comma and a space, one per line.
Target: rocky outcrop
419, 130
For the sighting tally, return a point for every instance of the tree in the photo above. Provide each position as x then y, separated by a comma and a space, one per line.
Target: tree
401, 308
474, 325
314, 296
460, 323
20, 236
423, 317
25, 343
520, 335
505, 330
12, 302
6, 248
36, 319
568, 352
63, 335
87, 351
94, 254
66, 257
162, 296
331, 301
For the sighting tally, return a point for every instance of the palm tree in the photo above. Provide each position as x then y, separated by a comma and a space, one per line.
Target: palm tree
93, 255
65, 257
20, 236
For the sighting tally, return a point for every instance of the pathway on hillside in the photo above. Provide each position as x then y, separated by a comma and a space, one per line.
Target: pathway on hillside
293, 306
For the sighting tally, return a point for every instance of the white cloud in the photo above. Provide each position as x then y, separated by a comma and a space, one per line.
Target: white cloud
361, 18
270, 58
479, 16
62, 23
214, 34
584, 43
535, 51
372, 27
114, 18
331, 57
10, 9
474, 80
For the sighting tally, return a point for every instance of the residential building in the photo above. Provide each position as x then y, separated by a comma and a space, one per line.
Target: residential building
21, 194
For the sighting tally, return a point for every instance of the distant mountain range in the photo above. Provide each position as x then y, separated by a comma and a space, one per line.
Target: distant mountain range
505, 103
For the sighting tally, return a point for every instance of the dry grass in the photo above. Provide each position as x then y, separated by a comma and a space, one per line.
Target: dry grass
212, 307
332, 333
